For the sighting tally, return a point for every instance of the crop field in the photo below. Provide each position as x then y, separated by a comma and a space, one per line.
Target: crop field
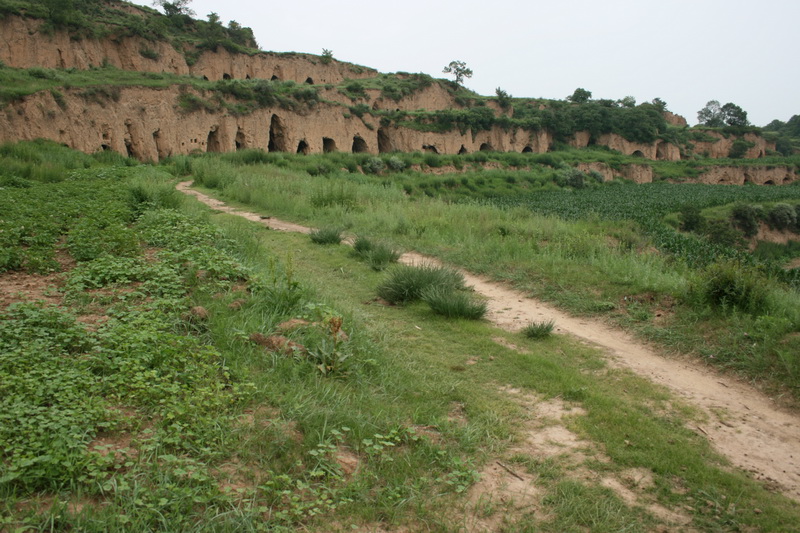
163, 368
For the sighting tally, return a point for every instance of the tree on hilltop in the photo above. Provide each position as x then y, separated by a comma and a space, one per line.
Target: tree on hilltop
459, 70
580, 96
178, 7
716, 116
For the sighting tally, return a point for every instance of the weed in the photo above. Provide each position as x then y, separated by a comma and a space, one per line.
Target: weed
377, 255
406, 283
539, 330
328, 235
453, 303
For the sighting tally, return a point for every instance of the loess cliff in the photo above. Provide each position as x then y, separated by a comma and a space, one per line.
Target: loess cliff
151, 123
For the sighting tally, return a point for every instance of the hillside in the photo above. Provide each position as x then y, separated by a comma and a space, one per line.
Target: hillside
151, 86
257, 291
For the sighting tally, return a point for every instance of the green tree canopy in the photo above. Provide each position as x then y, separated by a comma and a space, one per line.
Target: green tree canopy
459, 70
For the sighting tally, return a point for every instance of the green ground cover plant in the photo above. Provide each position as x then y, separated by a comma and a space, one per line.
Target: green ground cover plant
599, 250
162, 392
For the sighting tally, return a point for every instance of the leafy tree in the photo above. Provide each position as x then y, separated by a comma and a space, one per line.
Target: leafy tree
327, 56
503, 98
717, 116
660, 104
178, 7
734, 115
711, 115
459, 70
628, 101
580, 96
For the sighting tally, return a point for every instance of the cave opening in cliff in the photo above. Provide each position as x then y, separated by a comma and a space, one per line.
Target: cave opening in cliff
527, 150
212, 143
359, 145
328, 145
462, 150
429, 148
638, 153
769, 182
486, 147
241, 140
226, 76
661, 151
384, 142
310, 81
277, 135
302, 147
105, 147
274, 78
129, 149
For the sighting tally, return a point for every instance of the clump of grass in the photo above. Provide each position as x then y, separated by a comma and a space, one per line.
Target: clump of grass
327, 235
539, 330
406, 283
377, 255
454, 304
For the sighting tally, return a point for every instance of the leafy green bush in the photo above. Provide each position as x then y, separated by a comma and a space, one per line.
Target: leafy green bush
374, 165
452, 303
327, 235
692, 218
782, 217
90, 238
539, 330
730, 285
746, 217
406, 283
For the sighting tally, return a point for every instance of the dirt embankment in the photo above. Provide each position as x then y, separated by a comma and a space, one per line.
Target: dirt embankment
742, 424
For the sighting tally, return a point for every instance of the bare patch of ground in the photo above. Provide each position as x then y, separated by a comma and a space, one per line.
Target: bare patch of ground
16, 287
747, 427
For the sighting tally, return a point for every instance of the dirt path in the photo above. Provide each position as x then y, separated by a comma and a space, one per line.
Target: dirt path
743, 424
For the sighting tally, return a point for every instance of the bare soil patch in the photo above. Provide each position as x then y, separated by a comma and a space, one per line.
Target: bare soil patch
747, 427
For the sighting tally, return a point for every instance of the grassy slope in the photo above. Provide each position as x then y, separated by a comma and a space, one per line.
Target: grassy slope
262, 452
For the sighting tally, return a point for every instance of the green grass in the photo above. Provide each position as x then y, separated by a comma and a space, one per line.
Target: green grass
601, 250
156, 418
539, 330
327, 235
408, 283
453, 304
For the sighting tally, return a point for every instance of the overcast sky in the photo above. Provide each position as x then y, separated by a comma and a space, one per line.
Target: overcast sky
685, 52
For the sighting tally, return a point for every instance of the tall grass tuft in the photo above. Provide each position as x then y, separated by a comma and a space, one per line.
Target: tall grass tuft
329, 235
406, 283
539, 330
376, 254
454, 304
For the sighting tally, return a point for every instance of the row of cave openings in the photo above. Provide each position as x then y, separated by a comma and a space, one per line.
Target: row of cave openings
275, 77
278, 142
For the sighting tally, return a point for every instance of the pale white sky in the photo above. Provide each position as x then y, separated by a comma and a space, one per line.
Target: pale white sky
686, 52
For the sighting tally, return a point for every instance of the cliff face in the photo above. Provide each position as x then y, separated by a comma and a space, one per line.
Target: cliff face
148, 124
721, 146
23, 45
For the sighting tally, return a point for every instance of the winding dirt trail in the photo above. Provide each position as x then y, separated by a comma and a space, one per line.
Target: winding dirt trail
742, 424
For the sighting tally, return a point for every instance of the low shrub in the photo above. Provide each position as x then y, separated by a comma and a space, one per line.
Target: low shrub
452, 303
539, 330
406, 283
782, 216
746, 218
327, 235
730, 285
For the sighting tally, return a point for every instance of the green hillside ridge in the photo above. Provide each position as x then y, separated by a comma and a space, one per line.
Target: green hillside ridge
95, 19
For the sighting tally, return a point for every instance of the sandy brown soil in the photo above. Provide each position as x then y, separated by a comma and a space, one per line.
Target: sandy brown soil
743, 424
